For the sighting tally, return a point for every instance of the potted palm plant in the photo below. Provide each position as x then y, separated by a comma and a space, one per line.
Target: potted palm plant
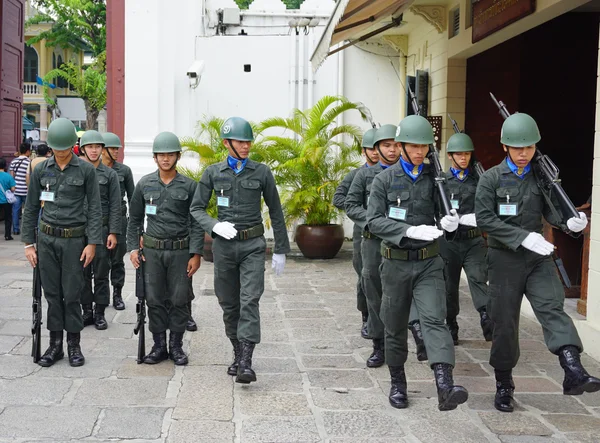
309, 159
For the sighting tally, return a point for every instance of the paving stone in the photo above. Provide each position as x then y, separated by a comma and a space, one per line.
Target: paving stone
129, 368
536, 384
291, 305
351, 379
359, 399
8, 343
279, 429
553, 403
485, 402
134, 392
33, 391
574, 422
521, 370
528, 439
201, 431
323, 323
442, 431
477, 384
95, 367
115, 330
331, 361
118, 347
416, 389
18, 422
470, 370
299, 334
277, 383
210, 347
21, 328
361, 424
518, 424
307, 313
323, 347
206, 393
273, 350
357, 342
283, 404
17, 365
132, 423
583, 437
275, 365
274, 335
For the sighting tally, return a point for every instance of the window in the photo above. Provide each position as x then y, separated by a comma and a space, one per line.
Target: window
60, 82
30, 71
454, 20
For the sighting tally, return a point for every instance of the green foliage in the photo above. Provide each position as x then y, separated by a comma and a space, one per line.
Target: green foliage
79, 24
290, 4
89, 84
309, 165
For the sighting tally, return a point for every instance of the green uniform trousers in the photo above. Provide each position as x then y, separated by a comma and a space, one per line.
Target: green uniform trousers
371, 282
361, 299
61, 274
422, 282
117, 265
511, 274
167, 289
469, 254
100, 268
239, 284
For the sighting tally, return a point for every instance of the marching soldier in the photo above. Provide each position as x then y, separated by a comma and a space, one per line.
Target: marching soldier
63, 183
339, 199
467, 249
402, 210
92, 144
356, 205
509, 206
239, 244
173, 244
112, 144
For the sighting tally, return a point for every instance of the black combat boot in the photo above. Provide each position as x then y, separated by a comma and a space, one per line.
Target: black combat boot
577, 380
453, 327
99, 319
55, 350
88, 315
377, 357
191, 324
245, 373
398, 398
487, 326
449, 395
176, 349
364, 333
118, 303
76, 358
237, 353
505, 388
415, 328
159, 351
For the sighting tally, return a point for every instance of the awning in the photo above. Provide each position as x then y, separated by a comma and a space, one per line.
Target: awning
353, 19
27, 124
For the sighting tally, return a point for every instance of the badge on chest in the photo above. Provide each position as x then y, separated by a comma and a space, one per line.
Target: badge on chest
398, 212
222, 200
454, 202
508, 209
151, 208
47, 195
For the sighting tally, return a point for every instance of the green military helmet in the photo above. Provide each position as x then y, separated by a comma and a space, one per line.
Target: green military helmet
386, 132
367, 140
415, 129
236, 128
91, 138
61, 134
520, 130
166, 142
460, 143
111, 140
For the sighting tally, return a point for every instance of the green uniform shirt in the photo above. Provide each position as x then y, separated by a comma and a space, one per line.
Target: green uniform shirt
418, 198
358, 195
108, 182
463, 193
239, 199
71, 187
339, 197
125, 181
171, 203
499, 185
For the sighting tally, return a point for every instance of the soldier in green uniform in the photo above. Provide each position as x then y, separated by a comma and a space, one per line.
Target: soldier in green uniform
91, 145
467, 249
339, 199
509, 206
112, 144
402, 211
173, 244
356, 205
239, 244
63, 183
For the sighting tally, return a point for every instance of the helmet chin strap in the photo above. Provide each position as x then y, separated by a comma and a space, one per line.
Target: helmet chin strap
406, 153
110, 155
383, 156
368, 157
237, 156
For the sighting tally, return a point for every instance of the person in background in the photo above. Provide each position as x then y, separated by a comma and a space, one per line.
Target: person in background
18, 169
8, 184
43, 152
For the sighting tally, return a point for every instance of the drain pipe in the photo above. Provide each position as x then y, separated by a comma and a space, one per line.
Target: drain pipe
301, 58
311, 43
293, 61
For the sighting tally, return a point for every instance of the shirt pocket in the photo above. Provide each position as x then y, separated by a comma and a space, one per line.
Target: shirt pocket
152, 197
223, 189
250, 190
180, 201
48, 183
73, 187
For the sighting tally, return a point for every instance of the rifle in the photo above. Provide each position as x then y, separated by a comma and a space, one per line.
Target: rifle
36, 311
140, 308
546, 173
477, 166
434, 159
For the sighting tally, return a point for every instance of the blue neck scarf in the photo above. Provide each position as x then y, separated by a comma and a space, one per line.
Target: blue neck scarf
460, 174
383, 166
519, 172
235, 164
411, 170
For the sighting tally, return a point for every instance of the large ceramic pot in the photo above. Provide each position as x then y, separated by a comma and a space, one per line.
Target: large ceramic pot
208, 254
320, 241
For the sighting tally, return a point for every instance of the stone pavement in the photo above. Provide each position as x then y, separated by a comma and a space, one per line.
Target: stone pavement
312, 386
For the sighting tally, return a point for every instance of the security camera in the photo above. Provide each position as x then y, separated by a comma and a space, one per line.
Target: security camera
194, 72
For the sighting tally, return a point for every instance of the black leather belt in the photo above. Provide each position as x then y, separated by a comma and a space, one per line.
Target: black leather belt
78, 231
430, 251
471, 233
253, 232
367, 234
167, 244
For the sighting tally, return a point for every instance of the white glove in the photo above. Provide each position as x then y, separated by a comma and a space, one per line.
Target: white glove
450, 222
577, 224
468, 220
537, 243
278, 263
225, 230
424, 232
